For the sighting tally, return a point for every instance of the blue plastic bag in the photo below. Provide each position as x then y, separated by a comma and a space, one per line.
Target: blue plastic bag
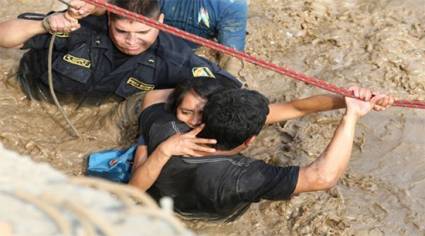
114, 165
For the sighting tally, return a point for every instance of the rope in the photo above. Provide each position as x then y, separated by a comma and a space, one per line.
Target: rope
52, 91
240, 55
120, 190
124, 192
57, 208
53, 213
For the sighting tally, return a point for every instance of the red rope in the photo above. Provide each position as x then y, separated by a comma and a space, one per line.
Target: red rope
241, 55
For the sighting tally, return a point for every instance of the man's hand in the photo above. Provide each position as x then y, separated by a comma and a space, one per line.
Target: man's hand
179, 145
60, 23
187, 144
381, 101
365, 100
78, 9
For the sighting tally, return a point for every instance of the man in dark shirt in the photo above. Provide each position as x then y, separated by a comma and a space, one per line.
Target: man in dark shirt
222, 184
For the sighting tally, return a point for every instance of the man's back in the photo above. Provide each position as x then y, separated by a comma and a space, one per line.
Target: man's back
221, 187
214, 187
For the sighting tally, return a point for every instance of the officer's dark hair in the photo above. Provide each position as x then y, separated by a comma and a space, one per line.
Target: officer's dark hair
233, 116
148, 8
202, 86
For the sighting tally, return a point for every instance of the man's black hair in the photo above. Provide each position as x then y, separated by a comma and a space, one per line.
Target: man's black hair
148, 8
202, 86
233, 116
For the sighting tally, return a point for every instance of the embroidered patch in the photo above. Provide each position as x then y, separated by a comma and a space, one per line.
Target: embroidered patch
203, 17
202, 71
140, 85
77, 61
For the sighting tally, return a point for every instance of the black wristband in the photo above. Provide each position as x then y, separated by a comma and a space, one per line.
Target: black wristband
31, 16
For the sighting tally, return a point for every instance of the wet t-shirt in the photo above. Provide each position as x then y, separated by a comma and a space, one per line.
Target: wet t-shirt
215, 187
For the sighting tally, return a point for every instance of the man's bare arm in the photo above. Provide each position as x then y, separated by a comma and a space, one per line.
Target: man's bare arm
324, 173
19, 31
78, 9
327, 102
301, 107
328, 168
177, 145
140, 157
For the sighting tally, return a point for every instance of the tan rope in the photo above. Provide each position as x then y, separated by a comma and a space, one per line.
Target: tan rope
120, 190
52, 212
88, 228
91, 221
137, 195
93, 218
52, 91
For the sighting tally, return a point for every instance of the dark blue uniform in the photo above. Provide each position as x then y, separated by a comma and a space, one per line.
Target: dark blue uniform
87, 64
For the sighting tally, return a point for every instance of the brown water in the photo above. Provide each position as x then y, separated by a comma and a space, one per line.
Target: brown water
378, 44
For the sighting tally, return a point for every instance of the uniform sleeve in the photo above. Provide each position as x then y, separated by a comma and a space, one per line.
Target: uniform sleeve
232, 24
263, 181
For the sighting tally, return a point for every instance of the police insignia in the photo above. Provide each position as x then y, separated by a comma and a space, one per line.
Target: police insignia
77, 61
140, 85
203, 17
202, 72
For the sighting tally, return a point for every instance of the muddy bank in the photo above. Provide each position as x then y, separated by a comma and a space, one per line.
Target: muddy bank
378, 44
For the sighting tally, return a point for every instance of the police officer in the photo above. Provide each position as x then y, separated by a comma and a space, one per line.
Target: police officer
99, 54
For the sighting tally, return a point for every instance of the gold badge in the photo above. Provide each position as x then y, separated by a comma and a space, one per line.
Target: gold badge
77, 61
202, 71
140, 85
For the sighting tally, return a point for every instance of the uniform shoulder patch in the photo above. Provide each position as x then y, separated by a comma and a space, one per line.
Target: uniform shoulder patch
139, 84
202, 72
77, 60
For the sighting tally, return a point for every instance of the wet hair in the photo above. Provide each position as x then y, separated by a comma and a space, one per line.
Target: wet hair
148, 8
233, 116
202, 86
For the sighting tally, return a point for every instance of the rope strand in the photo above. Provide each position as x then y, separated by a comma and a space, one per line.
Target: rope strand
240, 55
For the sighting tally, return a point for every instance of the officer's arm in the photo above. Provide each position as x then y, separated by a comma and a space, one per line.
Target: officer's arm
301, 107
18, 31
79, 9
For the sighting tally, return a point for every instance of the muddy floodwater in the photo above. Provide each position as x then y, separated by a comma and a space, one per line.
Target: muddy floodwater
373, 43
